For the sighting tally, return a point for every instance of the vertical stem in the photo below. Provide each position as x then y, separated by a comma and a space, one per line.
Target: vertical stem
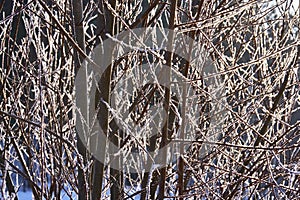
42, 140
77, 9
181, 185
173, 3
105, 24
78, 26
181, 162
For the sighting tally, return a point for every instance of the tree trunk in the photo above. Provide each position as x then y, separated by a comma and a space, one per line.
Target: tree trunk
77, 8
